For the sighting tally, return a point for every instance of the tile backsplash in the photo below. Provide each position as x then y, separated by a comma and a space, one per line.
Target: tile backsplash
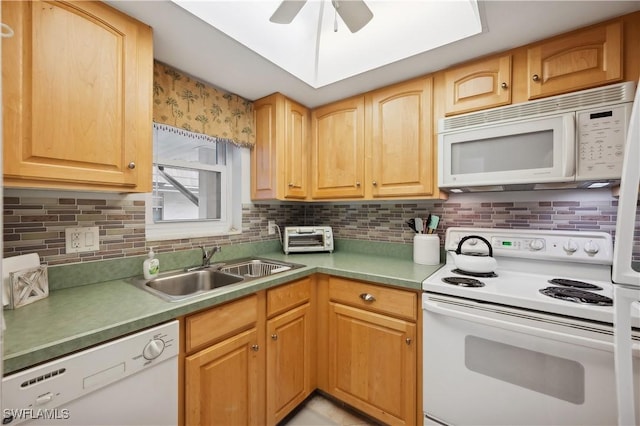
36, 223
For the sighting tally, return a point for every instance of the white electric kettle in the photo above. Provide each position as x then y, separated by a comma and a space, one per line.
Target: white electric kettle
474, 262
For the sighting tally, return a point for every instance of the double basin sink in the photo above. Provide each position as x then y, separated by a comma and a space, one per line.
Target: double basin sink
181, 285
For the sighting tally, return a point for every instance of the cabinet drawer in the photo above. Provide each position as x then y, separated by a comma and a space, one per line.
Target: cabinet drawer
283, 298
391, 301
219, 322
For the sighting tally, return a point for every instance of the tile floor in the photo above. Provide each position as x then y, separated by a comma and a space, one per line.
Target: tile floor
319, 411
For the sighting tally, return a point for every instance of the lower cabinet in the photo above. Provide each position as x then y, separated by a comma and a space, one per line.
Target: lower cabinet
222, 383
251, 361
290, 348
254, 360
372, 349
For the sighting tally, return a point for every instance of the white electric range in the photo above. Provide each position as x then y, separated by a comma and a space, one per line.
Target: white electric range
508, 346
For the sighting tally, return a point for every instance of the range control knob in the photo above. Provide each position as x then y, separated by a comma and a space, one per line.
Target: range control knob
536, 245
570, 247
591, 248
153, 349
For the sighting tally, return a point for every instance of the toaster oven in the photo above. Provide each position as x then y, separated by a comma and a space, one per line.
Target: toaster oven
306, 239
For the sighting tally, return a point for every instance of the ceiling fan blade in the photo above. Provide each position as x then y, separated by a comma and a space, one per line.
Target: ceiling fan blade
287, 10
355, 13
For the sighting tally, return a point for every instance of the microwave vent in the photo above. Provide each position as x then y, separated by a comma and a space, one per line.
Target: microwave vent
612, 94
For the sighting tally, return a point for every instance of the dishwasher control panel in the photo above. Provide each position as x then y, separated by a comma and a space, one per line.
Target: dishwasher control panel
43, 391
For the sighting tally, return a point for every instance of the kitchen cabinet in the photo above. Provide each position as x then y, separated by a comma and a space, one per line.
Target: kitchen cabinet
579, 60
234, 373
338, 150
223, 368
77, 97
372, 349
280, 157
399, 134
479, 85
290, 348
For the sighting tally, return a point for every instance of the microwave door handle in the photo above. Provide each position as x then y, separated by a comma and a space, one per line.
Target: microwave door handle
569, 146
433, 306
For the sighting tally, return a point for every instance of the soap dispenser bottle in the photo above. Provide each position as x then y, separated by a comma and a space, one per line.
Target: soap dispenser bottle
151, 266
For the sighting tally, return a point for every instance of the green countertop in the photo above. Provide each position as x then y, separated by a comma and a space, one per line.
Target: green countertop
78, 317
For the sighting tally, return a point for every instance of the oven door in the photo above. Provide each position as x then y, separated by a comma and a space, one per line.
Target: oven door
491, 365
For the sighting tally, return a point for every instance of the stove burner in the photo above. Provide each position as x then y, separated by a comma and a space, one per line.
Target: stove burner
575, 284
577, 296
463, 282
475, 274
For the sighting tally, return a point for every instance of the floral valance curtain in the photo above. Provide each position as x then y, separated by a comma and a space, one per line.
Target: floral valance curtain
185, 103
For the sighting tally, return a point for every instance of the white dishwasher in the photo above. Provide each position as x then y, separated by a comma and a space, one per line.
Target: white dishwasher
129, 381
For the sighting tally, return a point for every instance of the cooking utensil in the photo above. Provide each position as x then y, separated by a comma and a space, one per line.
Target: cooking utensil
412, 224
418, 223
474, 262
433, 224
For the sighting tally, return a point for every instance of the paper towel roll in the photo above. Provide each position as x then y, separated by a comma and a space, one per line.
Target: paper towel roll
426, 249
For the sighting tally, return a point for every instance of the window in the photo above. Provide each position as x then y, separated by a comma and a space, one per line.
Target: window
194, 178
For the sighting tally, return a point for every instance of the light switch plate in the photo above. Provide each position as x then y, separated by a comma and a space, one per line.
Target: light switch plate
79, 240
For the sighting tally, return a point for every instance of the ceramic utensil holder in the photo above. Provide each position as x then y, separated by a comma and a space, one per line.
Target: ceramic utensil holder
426, 249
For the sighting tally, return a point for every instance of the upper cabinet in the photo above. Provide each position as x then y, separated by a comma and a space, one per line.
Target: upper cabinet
479, 85
580, 60
337, 150
399, 133
280, 158
77, 97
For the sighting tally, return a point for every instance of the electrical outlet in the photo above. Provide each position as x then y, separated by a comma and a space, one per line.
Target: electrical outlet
78, 240
271, 227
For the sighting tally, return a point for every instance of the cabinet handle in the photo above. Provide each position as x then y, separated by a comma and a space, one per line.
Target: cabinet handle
375, 183
358, 183
408, 340
255, 348
535, 77
367, 297
132, 165
274, 337
504, 85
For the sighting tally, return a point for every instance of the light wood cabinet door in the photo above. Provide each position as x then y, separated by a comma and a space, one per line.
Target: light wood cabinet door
400, 135
372, 363
280, 157
476, 86
289, 361
296, 154
581, 60
222, 383
338, 150
77, 80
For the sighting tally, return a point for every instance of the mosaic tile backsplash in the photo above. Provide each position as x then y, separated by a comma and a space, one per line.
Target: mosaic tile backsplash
36, 224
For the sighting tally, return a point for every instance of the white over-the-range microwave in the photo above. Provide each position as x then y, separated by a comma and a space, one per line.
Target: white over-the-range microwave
567, 141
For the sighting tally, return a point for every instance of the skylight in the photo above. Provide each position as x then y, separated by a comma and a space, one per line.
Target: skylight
312, 51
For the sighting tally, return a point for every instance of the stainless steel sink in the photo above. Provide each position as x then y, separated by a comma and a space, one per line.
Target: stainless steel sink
256, 267
177, 286
181, 285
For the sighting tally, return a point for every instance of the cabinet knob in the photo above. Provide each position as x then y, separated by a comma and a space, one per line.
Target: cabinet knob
358, 183
375, 183
504, 85
274, 337
255, 348
535, 77
408, 340
367, 297
290, 184
132, 165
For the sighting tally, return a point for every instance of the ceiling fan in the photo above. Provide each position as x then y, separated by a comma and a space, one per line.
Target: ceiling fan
355, 13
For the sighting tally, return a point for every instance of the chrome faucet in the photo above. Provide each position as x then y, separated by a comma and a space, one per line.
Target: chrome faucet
207, 255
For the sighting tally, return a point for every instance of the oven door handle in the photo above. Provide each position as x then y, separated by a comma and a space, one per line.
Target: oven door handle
433, 306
